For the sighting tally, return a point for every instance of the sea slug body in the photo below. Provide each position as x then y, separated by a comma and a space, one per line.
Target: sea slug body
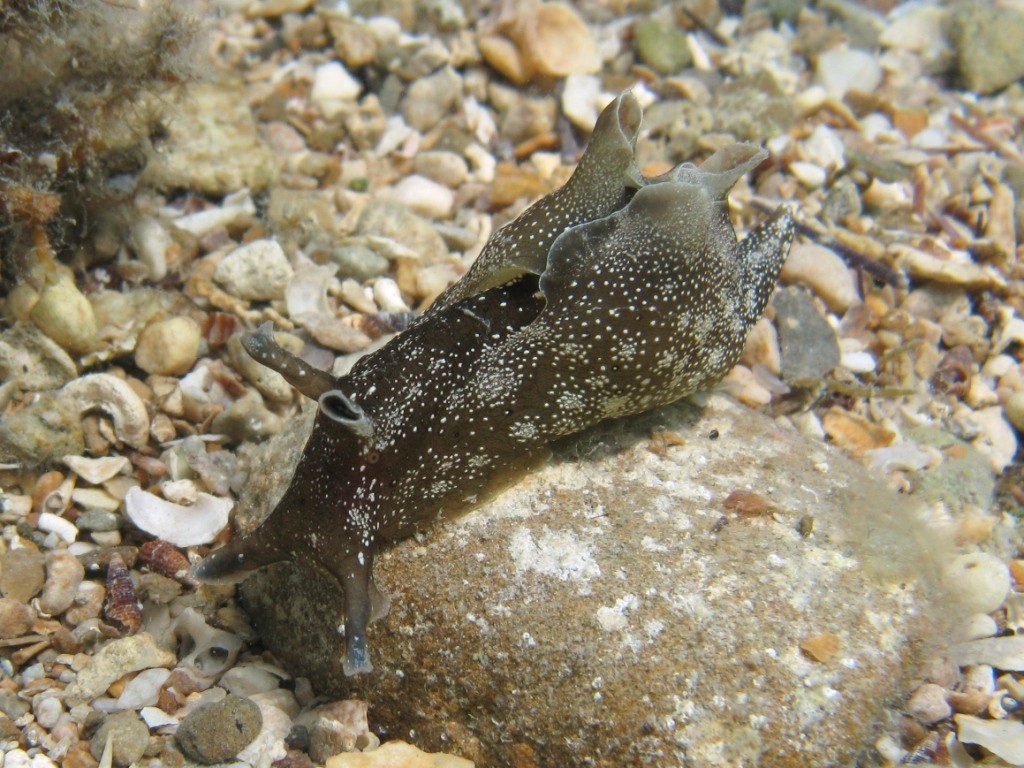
610, 296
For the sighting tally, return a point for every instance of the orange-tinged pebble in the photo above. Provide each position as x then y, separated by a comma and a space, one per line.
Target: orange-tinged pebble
855, 433
822, 647
747, 503
1017, 571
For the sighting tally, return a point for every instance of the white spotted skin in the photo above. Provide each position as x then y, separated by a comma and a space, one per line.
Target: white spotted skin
642, 296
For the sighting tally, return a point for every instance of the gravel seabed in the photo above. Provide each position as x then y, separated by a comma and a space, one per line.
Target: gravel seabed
332, 167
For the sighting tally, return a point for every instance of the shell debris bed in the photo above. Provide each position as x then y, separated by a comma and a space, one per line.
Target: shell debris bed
342, 167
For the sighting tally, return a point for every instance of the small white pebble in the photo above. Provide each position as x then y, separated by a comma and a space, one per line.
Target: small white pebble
846, 69
143, 690
332, 87
424, 196
810, 175
51, 523
19, 758
47, 710
858, 362
388, 296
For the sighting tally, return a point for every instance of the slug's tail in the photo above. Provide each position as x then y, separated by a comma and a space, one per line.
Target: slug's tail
232, 562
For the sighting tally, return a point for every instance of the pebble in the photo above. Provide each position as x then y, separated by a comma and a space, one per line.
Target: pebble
128, 736
444, 167
11, 705
396, 222
824, 272
99, 520
257, 271
113, 661
248, 419
423, 196
248, 679
928, 704
661, 45
388, 296
152, 246
1013, 408
19, 758
996, 438
397, 753
270, 383
47, 710
810, 175
143, 690
988, 46
844, 69
762, 347
808, 344
182, 526
22, 574
917, 27
977, 581
67, 317
333, 88
15, 618
41, 432
210, 143
979, 626
582, 100
278, 709
37, 360
556, 42
217, 732
168, 347
431, 98
358, 261
64, 573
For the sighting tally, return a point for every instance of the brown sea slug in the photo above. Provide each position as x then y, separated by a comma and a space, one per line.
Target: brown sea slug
608, 297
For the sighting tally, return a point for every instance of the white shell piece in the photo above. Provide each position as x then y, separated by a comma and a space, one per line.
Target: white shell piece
1003, 738
99, 470
155, 717
181, 526
52, 523
211, 651
116, 398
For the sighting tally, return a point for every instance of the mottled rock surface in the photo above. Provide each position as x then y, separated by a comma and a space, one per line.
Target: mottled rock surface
989, 44
609, 610
211, 144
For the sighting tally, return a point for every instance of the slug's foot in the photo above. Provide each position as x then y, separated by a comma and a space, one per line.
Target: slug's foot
354, 574
357, 657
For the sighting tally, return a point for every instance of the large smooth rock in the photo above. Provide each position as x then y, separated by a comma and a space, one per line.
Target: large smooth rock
611, 610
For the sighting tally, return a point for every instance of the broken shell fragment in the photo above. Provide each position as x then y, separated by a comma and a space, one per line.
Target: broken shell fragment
96, 471
180, 525
117, 399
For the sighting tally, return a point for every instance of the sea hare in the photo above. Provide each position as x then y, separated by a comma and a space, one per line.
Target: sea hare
608, 297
